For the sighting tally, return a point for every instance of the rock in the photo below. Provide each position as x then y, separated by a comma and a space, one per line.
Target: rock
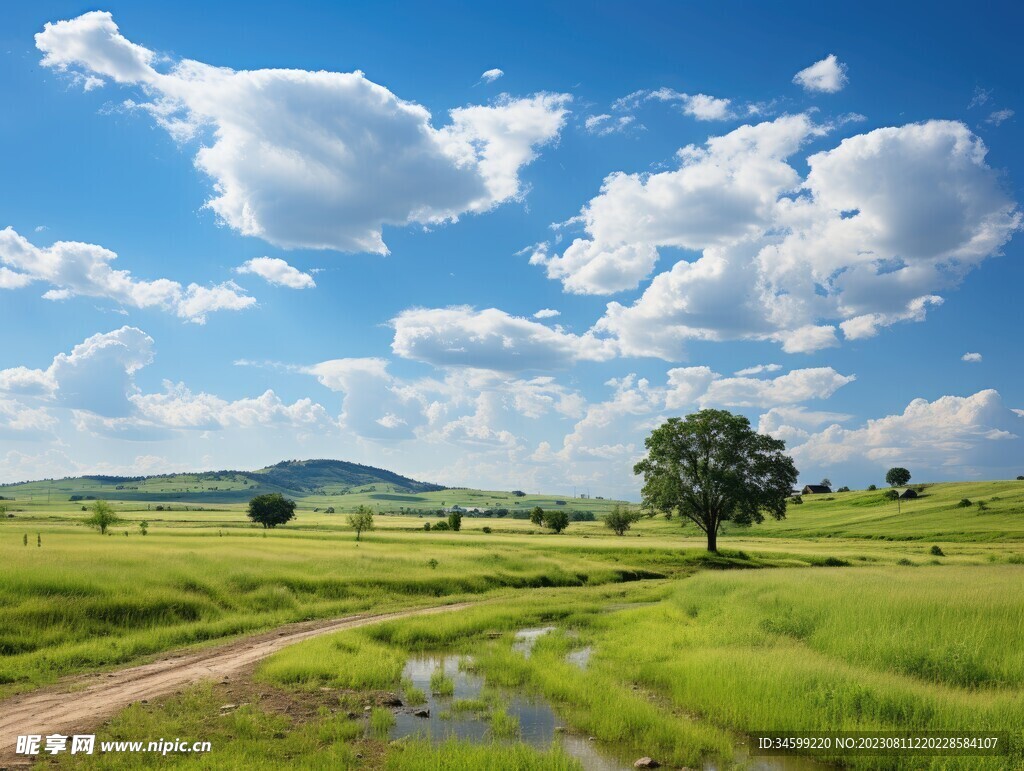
422, 713
646, 763
359, 756
367, 708
227, 707
392, 701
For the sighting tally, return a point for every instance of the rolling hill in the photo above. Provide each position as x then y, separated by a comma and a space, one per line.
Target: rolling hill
295, 478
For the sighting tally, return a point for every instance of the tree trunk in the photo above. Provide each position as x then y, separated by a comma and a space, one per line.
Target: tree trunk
713, 539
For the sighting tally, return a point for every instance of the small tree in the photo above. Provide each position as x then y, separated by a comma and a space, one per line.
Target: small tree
442, 525
144, 527
537, 516
620, 520
897, 476
361, 519
102, 517
557, 520
826, 482
455, 521
712, 467
271, 510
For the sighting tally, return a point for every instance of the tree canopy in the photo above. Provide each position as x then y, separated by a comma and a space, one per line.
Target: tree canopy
361, 519
102, 517
271, 509
556, 519
897, 476
620, 519
712, 467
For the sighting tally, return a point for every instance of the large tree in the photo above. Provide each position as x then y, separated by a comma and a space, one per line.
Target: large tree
271, 509
897, 476
712, 467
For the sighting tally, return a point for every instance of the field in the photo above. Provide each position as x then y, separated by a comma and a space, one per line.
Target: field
848, 614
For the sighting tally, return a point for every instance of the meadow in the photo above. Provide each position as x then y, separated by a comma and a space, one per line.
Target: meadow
846, 614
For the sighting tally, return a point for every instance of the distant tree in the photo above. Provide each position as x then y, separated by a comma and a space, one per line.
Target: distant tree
455, 521
361, 519
620, 519
843, 489
102, 517
329, 510
891, 495
442, 525
872, 488
1020, 478
144, 527
426, 526
897, 476
556, 520
537, 516
713, 467
518, 493
271, 510
797, 499
826, 482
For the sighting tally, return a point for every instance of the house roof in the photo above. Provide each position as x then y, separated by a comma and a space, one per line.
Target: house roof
817, 489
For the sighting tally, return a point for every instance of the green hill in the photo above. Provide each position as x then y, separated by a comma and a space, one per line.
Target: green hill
295, 478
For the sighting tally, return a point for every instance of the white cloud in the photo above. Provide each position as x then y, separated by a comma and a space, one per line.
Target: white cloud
277, 272
322, 159
971, 357
998, 117
880, 226
794, 424
951, 437
605, 124
20, 421
757, 369
78, 269
701, 386
699, 106
547, 313
491, 75
489, 339
826, 76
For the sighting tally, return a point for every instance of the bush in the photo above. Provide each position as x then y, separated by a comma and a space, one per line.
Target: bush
797, 499
890, 495
455, 521
872, 488
426, 526
1020, 478
936, 552
843, 489
620, 520
442, 525
964, 503
486, 529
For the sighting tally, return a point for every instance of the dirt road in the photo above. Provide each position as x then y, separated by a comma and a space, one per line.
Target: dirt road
81, 703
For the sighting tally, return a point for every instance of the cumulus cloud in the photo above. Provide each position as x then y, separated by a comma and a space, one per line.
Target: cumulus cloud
547, 313
880, 225
689, 385
278, 272
971, 357
699, 106
20, 421
949, 437
491, 75
462, 336
827, 76
321, 160
76, 269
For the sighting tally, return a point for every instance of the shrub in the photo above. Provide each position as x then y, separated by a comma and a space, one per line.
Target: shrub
620, 520
432, 563
964, 503
442, 525
486, 529
936, 551
426, 526
872, 488
1020, 478
843, 489
797, 499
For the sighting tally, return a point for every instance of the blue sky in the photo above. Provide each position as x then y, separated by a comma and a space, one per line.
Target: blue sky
823, 200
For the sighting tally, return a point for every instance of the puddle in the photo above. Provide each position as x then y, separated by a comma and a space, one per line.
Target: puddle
525, 639
538, 724
580, 657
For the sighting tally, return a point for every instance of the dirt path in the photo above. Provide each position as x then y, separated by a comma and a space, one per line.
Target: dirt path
78, 704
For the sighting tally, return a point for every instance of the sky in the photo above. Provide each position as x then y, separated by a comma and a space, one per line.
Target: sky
495, 246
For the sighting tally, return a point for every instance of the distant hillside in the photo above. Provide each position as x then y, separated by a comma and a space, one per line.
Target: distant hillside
297, 478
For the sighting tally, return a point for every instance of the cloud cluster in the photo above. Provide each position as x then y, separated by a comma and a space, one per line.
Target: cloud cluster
322, 160
462, 336
827, 76
879, 226
76, 269
276, 271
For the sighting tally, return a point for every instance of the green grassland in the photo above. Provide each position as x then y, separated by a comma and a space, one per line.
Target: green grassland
843, 614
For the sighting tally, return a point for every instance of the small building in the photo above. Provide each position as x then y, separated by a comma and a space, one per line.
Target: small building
905, 493
815, 489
